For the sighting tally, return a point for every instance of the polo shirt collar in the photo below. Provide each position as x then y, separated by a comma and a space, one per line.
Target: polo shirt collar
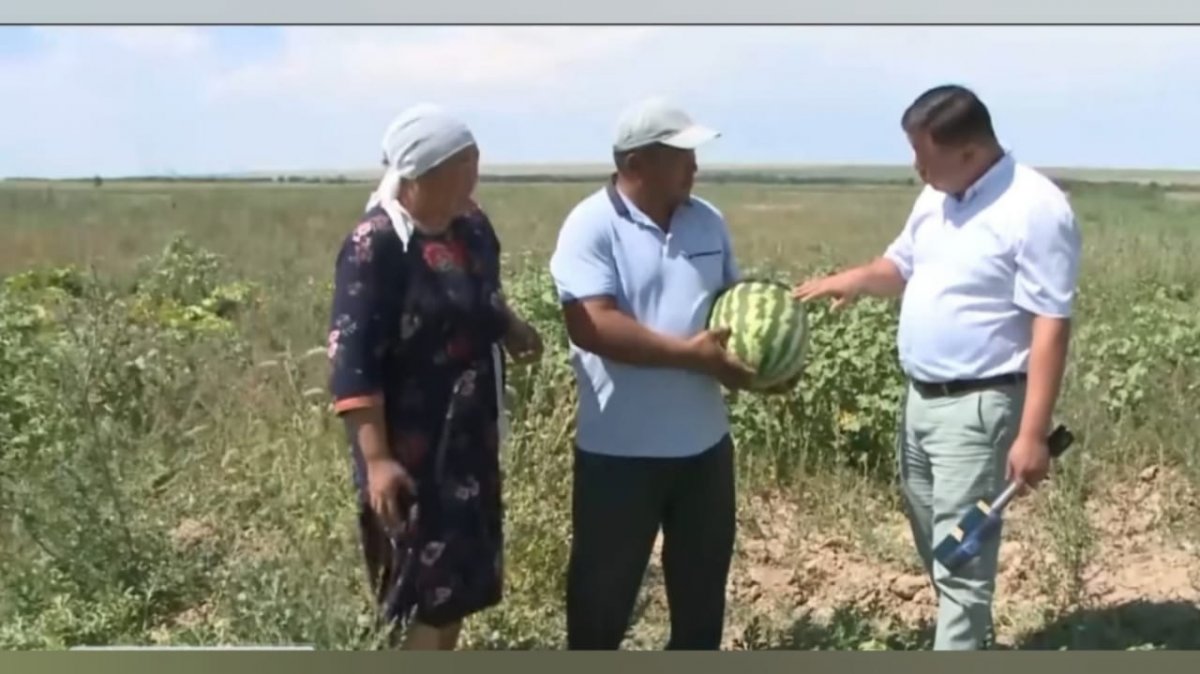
626, 208
1002, 165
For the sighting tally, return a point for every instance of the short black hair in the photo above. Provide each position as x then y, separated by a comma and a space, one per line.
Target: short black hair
951, 114
621, 157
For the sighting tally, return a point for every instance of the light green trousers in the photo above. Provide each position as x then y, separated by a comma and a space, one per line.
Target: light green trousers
952, 453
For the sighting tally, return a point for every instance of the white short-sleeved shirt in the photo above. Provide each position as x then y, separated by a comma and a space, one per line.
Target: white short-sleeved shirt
666, 281
979, 268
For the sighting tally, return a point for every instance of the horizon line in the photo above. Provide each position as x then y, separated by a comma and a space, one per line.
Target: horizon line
507, 169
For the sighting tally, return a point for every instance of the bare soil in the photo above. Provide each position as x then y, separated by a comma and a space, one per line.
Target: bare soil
791, 570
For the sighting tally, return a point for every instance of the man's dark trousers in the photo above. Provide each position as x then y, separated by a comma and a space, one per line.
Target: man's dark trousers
618, 507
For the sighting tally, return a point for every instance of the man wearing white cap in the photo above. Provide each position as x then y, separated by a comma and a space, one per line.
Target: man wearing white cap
416, 328
636, 266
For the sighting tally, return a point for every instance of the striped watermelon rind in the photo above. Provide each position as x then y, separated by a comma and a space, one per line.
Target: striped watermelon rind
778, 349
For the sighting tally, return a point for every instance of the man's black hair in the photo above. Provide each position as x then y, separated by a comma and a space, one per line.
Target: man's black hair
951, 114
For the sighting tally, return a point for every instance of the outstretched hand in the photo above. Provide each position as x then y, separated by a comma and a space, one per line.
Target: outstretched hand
840, 287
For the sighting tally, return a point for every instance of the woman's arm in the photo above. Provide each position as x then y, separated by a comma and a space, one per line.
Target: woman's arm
521, 339
355, 340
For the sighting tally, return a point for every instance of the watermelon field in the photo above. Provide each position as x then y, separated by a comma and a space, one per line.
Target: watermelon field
171, 473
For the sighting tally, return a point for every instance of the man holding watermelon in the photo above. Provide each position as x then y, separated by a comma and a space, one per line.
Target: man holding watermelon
987, 265
637, 265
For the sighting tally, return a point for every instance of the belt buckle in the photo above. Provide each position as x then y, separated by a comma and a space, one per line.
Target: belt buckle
943, 387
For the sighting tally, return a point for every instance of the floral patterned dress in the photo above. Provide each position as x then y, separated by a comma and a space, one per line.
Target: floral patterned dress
415, 329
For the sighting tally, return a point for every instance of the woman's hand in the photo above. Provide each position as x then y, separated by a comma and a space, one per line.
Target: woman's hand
390, 490
522, 341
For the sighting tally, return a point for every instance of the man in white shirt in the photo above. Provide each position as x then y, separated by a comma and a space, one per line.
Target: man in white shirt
987, 264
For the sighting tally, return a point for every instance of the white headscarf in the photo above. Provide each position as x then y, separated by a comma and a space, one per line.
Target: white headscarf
418, 140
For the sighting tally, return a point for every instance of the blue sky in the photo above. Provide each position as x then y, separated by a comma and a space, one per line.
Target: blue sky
160, 100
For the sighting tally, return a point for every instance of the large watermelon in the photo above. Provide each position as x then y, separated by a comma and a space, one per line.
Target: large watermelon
768, 329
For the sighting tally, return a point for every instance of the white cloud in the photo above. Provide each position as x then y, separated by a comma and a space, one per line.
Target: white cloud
590, 69
98, 43
99, 99
152, 99
158, 41
1017, 60
363, 62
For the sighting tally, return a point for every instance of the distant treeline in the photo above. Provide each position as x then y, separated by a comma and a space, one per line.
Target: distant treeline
710, 177
98, 181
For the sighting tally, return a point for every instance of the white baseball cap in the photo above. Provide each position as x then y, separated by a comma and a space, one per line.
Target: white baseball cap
657, 120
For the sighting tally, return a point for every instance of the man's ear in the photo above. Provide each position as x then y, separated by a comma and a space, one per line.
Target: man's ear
630, 160
972, 150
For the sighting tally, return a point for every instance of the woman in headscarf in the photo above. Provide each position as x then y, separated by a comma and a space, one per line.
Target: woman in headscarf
417, 326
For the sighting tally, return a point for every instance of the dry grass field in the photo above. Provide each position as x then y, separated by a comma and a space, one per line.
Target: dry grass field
170, 471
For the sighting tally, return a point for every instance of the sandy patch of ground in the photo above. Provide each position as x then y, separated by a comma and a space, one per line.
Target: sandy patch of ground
788, 570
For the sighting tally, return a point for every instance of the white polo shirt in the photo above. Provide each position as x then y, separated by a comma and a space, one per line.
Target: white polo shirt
665, 281
978, 269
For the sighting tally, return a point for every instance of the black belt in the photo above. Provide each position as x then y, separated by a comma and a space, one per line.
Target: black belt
949, 388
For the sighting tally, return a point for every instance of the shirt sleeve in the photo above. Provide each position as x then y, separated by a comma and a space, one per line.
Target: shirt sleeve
355, 345
582, 264
733, 272
1047, 260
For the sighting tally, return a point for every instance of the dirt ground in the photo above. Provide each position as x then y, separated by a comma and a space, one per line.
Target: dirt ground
794, 584
797, 583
